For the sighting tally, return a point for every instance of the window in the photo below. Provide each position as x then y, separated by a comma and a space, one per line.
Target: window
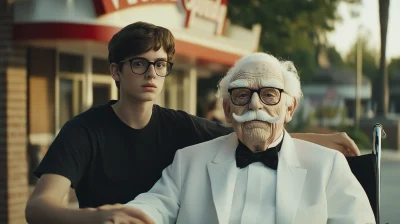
71, 63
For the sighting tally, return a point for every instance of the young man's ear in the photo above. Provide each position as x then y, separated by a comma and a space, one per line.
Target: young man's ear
114, 69
290, 110
226, 103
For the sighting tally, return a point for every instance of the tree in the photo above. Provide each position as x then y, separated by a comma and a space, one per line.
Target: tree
369, 59
294, 30
382, 93
394, 68
335, 59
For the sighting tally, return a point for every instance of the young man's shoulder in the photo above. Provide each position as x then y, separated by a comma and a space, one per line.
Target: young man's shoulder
190, 128
180, 115
167, 113
179, 118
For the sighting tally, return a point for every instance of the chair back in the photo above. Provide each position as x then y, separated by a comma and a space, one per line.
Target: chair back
363, 168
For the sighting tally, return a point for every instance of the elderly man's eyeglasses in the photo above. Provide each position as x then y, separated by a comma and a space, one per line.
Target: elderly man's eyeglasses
140, 66
269, 95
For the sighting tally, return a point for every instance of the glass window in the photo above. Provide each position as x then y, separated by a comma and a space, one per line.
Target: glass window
70, 103
174, 91
71, 63
101, 93
100, 66
66, 109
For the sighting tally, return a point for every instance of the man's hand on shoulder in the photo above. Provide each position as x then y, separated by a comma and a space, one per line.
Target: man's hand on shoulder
118, 214
339, 141
343, 143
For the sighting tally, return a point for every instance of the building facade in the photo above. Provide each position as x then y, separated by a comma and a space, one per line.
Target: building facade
53, 65
331, 98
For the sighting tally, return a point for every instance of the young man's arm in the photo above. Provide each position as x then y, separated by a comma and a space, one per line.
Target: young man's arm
338, 141
45, 206
62, 167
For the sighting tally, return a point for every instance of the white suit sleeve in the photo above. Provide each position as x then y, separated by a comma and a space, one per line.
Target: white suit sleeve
161, 203
347, 201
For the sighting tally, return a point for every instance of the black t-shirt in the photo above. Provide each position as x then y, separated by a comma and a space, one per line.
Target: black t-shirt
109, 162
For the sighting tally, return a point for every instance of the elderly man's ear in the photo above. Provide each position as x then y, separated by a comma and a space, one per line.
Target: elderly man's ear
226, 103
291, 108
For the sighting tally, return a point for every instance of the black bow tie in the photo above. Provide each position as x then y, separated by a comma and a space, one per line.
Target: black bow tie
245, 157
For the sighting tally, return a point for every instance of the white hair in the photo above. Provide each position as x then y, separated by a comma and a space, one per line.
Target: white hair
260, 64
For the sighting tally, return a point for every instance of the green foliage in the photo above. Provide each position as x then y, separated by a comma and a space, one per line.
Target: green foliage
362, 140
327, 112
298, 124
394, 68
305, 59
370, 59
334, 57
293, 30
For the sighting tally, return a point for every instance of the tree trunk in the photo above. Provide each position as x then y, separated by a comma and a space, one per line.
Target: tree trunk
383, 89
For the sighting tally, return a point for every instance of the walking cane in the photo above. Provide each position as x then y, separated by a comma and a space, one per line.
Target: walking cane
378, 135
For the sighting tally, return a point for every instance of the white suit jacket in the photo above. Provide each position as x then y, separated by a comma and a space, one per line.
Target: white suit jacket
314, 185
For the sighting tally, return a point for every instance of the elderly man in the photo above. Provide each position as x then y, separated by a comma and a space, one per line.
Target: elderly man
258, 174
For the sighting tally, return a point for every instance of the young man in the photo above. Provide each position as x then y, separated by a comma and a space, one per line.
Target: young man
111, 153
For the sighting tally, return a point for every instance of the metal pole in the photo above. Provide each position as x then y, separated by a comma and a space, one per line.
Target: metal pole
88, 69
378, 135
358, 83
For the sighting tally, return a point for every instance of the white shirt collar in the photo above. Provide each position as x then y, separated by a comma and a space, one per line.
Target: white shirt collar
277, 141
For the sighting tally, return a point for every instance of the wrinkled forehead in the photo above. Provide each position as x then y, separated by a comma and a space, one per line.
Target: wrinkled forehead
257, 74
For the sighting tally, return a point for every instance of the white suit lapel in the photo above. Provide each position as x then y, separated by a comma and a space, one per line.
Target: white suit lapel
290, 180
222, 171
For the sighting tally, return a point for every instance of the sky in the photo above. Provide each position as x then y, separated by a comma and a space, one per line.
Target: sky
345, 32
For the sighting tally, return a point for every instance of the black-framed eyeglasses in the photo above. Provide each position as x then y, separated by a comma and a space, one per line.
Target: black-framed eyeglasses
141, 65
269, 95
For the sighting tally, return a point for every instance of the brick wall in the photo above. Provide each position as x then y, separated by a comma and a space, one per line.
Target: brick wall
13, 123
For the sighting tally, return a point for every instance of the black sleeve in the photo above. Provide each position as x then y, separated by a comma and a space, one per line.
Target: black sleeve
205, 130
69, 154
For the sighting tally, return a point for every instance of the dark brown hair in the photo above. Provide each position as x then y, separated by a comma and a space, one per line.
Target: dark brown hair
138, 38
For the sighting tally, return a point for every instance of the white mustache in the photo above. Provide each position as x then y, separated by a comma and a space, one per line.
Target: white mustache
252, 115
